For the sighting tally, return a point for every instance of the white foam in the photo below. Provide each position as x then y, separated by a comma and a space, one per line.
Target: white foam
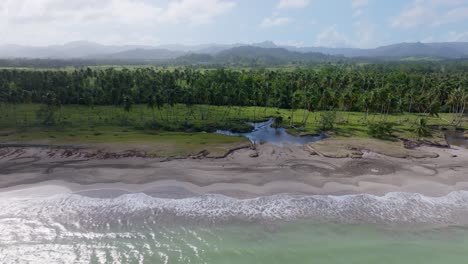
36, 225
85, 212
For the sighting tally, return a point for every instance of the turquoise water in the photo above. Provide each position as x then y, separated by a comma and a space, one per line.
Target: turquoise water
298, 242
301, 242
137, 228
305, 242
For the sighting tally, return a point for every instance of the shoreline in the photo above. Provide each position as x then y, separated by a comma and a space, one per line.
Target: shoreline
169, 189
244, 173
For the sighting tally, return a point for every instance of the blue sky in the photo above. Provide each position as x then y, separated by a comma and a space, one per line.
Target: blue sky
333, 23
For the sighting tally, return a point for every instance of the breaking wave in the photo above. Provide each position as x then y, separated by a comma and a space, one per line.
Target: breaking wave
362, 208
44, 225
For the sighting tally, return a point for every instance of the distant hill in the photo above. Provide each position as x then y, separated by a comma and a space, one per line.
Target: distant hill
415, 50
142, 55
194, 58
252, 55
269, 55
461, 47
266, 52
448, 50
72, 50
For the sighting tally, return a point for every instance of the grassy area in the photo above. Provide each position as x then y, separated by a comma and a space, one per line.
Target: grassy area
155, 143
108, 124
165, 144
105, 126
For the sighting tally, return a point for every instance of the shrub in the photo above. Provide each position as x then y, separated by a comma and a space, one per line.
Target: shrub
422, 130
46, 116
278, 122
123, 120
327, 121
381, 130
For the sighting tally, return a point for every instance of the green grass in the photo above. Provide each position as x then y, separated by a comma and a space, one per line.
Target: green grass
104, 126
155, 143
108, 124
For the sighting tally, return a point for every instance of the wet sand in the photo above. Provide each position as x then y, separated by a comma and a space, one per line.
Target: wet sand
245, 173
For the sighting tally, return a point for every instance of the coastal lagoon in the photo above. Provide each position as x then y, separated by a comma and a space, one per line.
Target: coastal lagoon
456, 138
264, 132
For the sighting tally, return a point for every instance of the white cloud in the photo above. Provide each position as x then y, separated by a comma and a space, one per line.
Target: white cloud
195, 11
358, 13
127, 21
452, 36
455, 15
365, 35
457, 36
358, 6
293, 3
274, 21
431, 12
331, 37
448, 2
359, 3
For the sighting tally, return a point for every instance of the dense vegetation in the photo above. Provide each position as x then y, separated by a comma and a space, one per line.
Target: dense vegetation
363, 89
234, 59
105, 124
179, 99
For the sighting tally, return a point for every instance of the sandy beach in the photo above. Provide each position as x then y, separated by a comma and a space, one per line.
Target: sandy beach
244, 173
70, 205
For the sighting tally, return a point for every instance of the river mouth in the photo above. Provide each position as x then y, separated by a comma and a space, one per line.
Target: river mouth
264, 132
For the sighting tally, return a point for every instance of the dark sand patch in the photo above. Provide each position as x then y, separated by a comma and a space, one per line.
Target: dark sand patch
355, 147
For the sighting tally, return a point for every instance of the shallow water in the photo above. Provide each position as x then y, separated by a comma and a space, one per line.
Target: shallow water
264, 133
456, 138
137, 228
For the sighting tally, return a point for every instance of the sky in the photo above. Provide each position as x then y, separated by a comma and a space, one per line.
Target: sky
330, 23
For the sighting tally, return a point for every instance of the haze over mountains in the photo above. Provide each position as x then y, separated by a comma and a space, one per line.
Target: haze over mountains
221, 52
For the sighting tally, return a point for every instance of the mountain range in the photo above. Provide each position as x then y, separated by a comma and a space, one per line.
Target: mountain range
209, 53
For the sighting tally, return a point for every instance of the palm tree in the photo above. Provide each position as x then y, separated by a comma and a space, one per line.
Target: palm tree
47, 113
422, 129
151, 104
458, 99
127, 103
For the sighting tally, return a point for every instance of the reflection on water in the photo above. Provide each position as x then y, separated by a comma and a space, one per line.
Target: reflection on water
264, 132
456, 138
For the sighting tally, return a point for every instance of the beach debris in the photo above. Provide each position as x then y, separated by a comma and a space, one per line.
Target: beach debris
356, 155
254, 154
202, 154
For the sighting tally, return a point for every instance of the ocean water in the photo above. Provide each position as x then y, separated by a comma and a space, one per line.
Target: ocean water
137, 228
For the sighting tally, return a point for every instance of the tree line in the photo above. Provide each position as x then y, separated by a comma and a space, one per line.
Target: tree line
368, 89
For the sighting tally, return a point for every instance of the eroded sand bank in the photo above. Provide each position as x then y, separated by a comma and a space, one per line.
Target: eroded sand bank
244, 173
